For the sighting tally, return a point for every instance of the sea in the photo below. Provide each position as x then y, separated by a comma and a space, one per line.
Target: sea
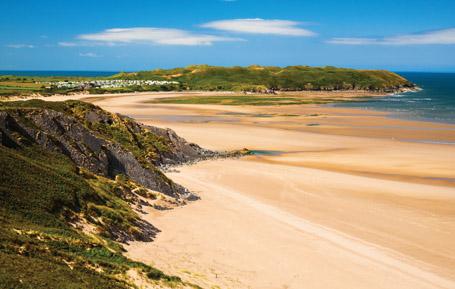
57, 73
435, 102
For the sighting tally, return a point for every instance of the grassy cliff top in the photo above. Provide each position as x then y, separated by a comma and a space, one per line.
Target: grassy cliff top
255, 77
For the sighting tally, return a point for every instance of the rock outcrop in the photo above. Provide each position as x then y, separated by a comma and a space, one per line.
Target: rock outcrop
103, 143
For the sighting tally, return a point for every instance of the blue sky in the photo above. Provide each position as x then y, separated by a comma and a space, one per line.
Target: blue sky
417, 35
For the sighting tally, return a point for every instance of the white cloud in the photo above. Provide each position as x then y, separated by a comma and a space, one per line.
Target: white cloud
160, 36
444, 36
89, 54
86, 44
20, 46
260, 26
353, 41
67, 44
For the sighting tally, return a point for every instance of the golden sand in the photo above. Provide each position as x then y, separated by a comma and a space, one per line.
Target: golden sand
343, 198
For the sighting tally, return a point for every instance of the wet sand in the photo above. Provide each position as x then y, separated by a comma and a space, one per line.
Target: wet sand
342, 198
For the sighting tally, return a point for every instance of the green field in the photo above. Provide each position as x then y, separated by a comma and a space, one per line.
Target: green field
11, 85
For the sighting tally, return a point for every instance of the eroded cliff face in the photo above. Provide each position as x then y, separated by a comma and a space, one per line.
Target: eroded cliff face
105, 144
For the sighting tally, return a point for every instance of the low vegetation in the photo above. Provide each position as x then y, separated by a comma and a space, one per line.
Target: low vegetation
212, 78
252, 99
263, 78
59, 221
40, 193
11, 85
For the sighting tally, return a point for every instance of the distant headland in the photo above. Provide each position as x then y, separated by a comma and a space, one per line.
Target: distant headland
253, 79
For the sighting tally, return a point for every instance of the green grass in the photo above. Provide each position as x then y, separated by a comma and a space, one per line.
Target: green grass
9, 87
36, 241
258, 78
60, 106
243, 100
38, 249
41, 193
205, 77
26, 85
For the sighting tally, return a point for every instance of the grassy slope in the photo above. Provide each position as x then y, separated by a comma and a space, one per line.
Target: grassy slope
205, 77
40, 192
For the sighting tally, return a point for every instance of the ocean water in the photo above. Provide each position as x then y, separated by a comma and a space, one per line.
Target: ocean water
57, 73
435, 102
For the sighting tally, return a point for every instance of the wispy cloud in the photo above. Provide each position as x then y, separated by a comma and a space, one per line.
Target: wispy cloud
443, 36
86, 44
89, 54
17, 46
159, 36
260, 26
67, 44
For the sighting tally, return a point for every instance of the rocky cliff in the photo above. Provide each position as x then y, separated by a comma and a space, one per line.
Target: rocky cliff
105, 144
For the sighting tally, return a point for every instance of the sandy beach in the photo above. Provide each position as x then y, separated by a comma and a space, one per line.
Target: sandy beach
335, 197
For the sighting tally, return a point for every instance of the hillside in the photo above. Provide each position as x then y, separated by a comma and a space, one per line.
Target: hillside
211, 78
73, 181
260, 78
